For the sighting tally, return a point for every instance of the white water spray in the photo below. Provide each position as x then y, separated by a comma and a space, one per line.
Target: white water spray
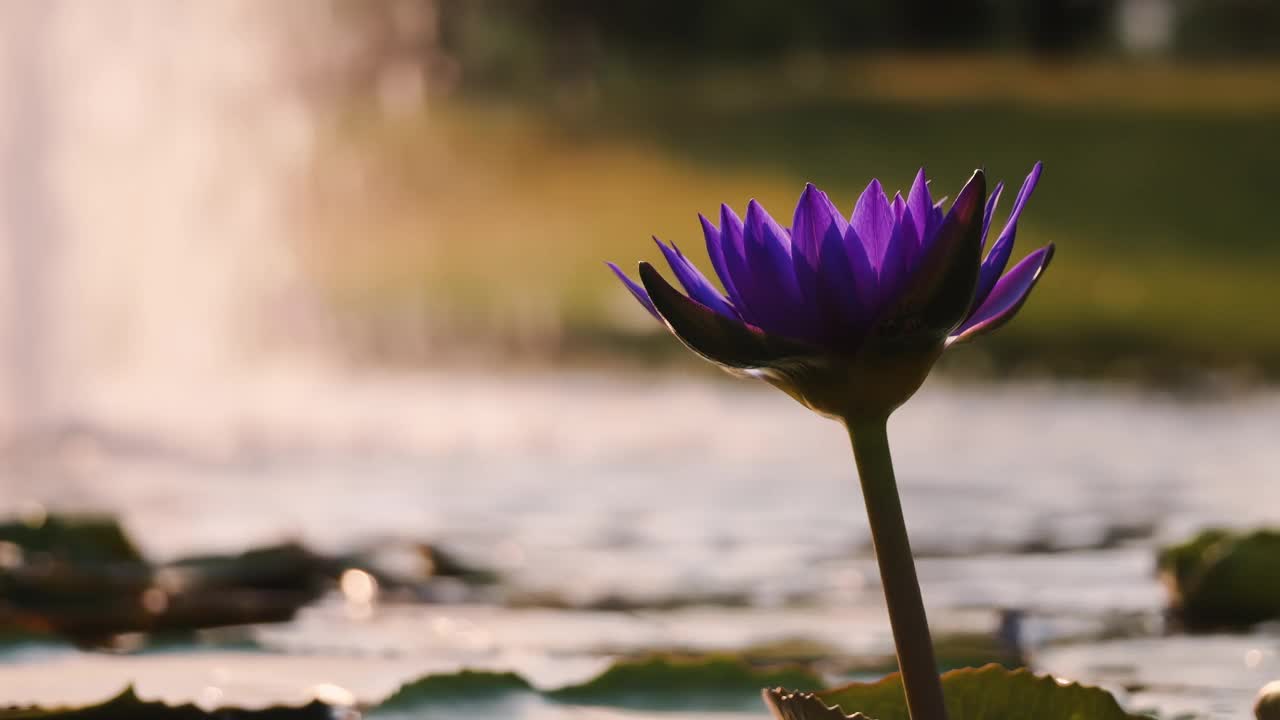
152, 156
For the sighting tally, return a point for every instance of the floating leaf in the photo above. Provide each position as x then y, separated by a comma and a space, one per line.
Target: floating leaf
952, 651
987, 693
127, 706
90, 603
453, 688
75, 539
712, 683
1224, 579
715, 682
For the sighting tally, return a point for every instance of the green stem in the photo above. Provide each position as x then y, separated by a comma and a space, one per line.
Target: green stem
897, 570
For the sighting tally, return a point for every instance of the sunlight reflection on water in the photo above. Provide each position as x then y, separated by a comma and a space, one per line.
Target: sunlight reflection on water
598, 489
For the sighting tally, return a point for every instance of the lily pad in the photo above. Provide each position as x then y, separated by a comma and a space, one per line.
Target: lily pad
128, 705
714, 682
92, 602
952, 651
74, 539
987, 693
1224, 579
711, 683
464, 686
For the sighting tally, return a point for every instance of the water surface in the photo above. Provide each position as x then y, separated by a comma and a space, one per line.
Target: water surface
628, 513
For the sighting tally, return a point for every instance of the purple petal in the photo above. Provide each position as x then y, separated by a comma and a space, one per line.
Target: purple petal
894, 264
815, 220
994, 264
723, 340
1007, 297
903, 238
992, 202
938, 294
920, 207
865, 281
818, 222
873, 222
936, 216
694, 282
735, 263
1024, 194
845, 315
716, 252
637, 291
998, 258
776, 305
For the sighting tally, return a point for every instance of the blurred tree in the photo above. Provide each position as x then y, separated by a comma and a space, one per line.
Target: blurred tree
1229, 28
527, 42
1060, 27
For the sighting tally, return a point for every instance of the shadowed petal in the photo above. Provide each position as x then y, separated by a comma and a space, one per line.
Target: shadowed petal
936, 217
697, 285
745, 295
992, 267
715, 250
938, 294
819, 223
1024, 194
864, 274
844, 314
896, 260
768, 248
637, 291
873, 223
777, 305
816, 221
1007, 297
717, 338
903, 241
920, 208
998, 258
992, 202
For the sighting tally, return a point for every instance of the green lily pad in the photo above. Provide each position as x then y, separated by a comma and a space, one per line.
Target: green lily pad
92, 602
952, 651
454, 688
128, 705
1224, 579
709, 683
987, 693
714, 682
75, 539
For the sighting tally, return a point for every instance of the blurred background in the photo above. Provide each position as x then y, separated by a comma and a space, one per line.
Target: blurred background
324, 279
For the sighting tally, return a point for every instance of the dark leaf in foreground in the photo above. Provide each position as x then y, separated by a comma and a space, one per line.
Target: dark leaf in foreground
127, 706
715, 683
787, 705
986, 693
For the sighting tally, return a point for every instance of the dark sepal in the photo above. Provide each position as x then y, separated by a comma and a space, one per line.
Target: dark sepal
715, 337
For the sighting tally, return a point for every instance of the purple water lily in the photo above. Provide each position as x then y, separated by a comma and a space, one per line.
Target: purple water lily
899, 275
848, 317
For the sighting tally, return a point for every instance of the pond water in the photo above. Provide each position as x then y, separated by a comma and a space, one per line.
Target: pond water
636, 512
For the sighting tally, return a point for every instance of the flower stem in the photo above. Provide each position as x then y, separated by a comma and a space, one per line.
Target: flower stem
897, 570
